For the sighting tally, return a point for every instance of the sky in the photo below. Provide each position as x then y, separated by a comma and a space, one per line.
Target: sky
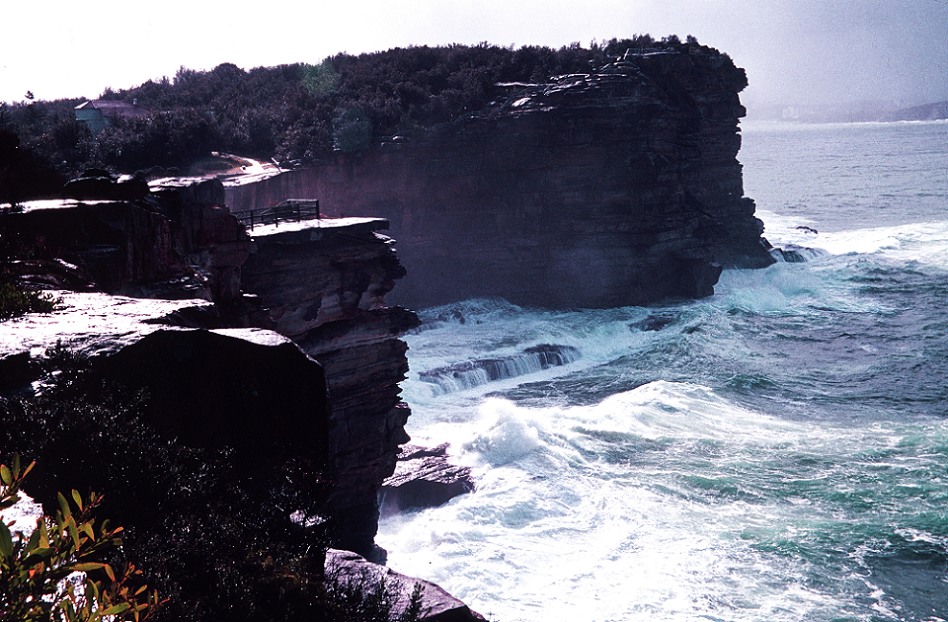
796, 52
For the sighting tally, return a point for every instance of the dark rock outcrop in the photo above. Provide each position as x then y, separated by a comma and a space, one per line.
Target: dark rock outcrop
437, 605
423, 478
172, 243
250, 389
654, 322
323, 284
615, 187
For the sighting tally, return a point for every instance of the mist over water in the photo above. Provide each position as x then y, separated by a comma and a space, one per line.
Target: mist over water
778, 451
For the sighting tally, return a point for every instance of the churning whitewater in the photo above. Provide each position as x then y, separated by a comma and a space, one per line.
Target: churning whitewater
777, 452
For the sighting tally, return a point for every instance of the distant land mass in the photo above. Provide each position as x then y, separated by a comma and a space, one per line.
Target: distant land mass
852, 112
927, 112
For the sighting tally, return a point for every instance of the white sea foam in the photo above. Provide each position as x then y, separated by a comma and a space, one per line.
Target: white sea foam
561, 533
925, 243
697, 468
504, 435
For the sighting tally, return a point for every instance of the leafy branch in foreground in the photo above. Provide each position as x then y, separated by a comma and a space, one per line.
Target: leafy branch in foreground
37, 580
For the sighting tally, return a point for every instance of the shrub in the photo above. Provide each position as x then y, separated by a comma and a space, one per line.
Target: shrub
35, 581
211, 532
16, 301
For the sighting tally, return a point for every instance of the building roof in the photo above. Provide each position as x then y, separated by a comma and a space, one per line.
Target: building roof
113, 108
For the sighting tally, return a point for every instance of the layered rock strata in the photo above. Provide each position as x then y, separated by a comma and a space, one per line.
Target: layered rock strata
177, 242
323, 284
620, 186
320, 283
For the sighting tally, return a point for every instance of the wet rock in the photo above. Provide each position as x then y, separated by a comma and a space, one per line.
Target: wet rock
792, 253
653, 322
423, 478
468, 374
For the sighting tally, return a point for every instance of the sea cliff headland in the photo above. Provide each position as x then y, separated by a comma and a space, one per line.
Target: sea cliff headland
278, 342
614, 187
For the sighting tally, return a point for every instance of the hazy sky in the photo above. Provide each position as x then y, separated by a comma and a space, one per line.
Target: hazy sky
795, 51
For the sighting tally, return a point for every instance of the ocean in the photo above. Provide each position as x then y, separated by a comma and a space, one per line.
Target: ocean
776, 452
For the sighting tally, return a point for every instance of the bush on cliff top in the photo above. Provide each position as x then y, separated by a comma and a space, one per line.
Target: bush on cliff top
212, 534
16, 301
301, 111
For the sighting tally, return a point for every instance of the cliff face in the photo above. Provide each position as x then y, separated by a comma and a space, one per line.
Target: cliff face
177, 242
320, 283
323, 284
610, 188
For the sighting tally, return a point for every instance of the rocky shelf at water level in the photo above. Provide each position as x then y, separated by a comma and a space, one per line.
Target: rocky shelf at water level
470, 374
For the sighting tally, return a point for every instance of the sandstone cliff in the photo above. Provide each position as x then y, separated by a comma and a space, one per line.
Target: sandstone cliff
323, 284
174, 243
320, 283
620, 186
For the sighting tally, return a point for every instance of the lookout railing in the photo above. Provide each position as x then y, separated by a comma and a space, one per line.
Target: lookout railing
290, 210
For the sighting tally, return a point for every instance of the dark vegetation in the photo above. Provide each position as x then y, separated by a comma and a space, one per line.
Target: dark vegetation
211, 533
16, 300
18, 297
295, 113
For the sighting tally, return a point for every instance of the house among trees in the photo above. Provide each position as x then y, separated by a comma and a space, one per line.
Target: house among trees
98, 114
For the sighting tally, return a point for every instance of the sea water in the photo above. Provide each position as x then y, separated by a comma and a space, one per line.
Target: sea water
776, 452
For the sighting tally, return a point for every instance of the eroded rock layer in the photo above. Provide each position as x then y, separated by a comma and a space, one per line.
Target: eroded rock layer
323, 283
616, 187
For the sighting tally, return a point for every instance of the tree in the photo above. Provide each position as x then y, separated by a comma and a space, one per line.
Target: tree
352, 131
320, 80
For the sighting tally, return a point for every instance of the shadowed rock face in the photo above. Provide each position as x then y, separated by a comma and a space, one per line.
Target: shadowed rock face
323, 283
436, 604
246, 388
616, 187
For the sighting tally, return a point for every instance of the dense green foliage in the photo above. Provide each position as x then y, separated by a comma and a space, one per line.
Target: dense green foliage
299, 112
213, 533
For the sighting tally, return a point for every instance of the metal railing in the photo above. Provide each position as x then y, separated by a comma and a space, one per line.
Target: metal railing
290, 210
